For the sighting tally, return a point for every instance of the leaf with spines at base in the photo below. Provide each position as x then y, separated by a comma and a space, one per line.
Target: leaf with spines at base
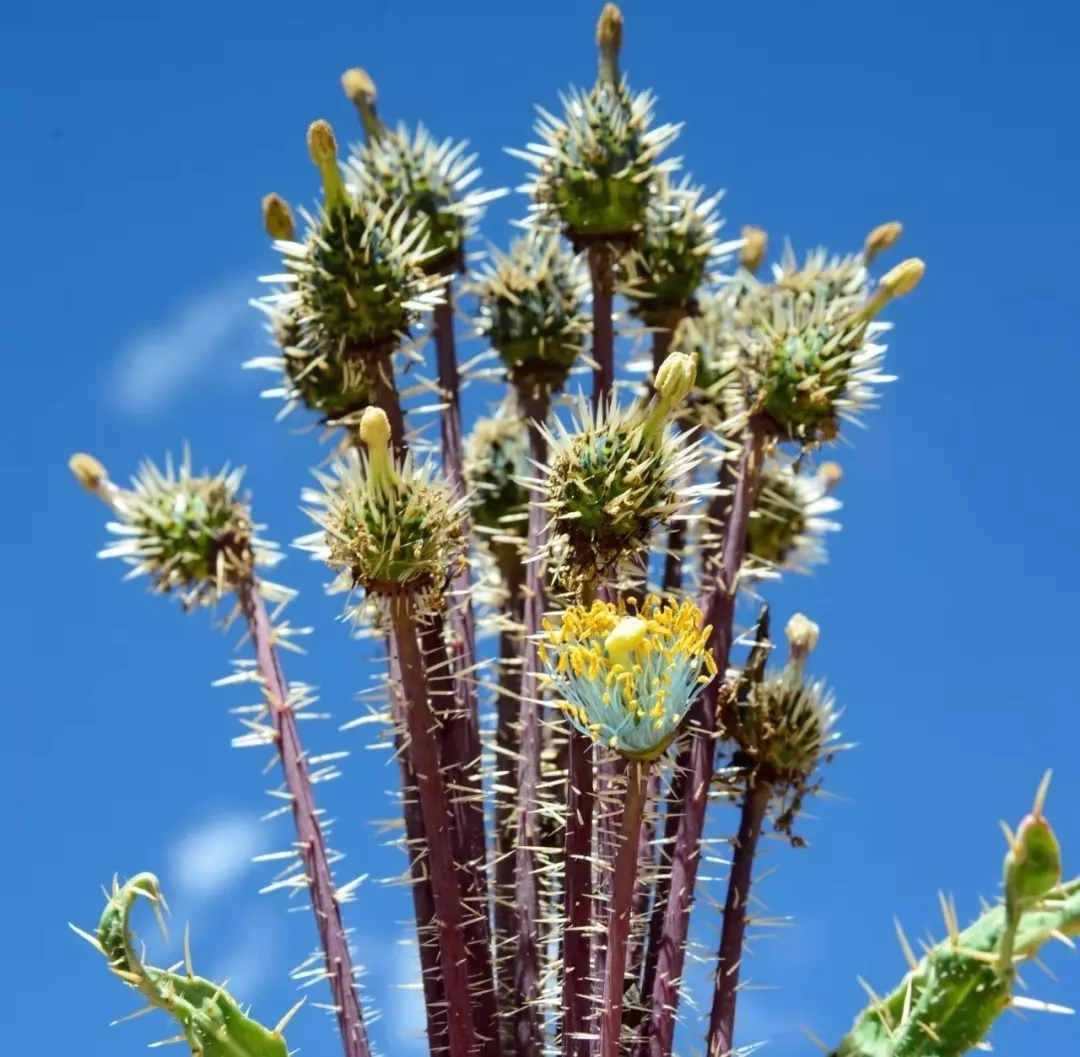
211, 1021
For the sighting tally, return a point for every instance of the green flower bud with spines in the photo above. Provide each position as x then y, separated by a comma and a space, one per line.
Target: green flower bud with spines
211, 1022
496, 459
787, 526
610, 481
384, 527
677, 251
596, 165
430, 178
532, 310
192, 535
806, 343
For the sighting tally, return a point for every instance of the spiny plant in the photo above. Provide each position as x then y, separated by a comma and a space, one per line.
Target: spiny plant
555, 787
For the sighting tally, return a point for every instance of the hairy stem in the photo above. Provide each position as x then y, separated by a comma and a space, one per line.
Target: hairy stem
720, 614
601, 272
427, 935
622, 896
719, 1040
577, 881
438, 826
646, 873
527, 1036
312, 848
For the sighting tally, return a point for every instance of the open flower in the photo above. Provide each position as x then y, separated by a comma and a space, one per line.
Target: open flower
627, 680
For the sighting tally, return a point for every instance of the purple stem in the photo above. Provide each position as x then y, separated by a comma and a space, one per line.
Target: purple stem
312, 848
577, 881
507, 708
427, 934
622, 898
601, 271
721, 1034
720, 613
527, 1035
646, 872
438, 826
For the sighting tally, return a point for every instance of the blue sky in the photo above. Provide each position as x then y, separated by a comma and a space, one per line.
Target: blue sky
141, 137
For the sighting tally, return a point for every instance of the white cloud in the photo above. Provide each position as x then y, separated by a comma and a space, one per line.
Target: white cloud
213, 856
252, 960
217, 330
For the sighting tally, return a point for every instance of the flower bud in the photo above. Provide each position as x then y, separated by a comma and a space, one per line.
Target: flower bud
1033, 862
903, 278
831, 474
360, 88
675, 378
375, 428
277, 217
88, 472
802, 635
609, 39
881, 238
756, 242
322, 146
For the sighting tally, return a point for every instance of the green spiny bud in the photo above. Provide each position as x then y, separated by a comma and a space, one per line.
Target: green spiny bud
192, 535
496, 459
277, 217
386, 527
674, 256
791, 517
610, 482
1033, 861
211, 1021
532, 310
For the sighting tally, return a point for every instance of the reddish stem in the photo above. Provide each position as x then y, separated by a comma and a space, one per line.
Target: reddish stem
719, 613
646, 873
577, 910
622, 897
527, 1034
601, 272
427, 934
312, 848
720, 1038
438, 826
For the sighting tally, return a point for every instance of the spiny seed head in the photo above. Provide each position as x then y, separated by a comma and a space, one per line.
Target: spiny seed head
882, 238
677, 252
787, 526
322, 144
386, 527
626, 678
496, 459
610, 482
532, 310
755, 245
192, 535
90, 473
359, 86
785, 725
277, 217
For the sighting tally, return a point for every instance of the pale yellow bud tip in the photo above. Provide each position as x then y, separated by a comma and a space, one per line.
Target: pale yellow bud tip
624, 639
277, 217
903, 278
375, 429
802, 634
756, 242
882, 237
88, 471
609, 28
359, 86
831, 474
321, 143
676, 377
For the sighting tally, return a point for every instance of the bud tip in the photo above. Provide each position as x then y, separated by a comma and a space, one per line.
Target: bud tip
609, 28
321, 142
676, 377
831, 474
802, 635
375, 428
904, 277
755, 244
277, 217
882, 237
88, 471
359, 86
